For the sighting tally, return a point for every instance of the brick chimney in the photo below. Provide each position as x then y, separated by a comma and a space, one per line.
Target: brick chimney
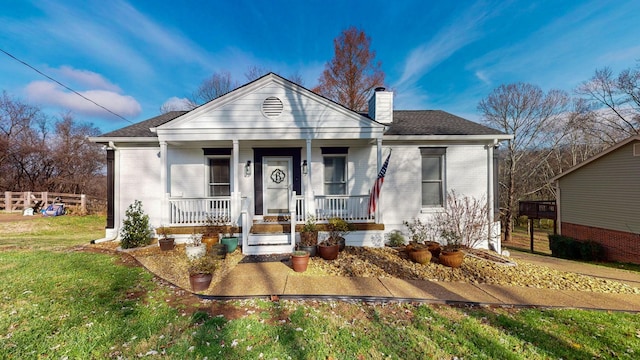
381, 106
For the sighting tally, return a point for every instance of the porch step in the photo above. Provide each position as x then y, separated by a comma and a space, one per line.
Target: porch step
269, 239
270, 228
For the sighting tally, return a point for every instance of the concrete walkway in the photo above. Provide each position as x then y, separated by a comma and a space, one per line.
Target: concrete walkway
278, 279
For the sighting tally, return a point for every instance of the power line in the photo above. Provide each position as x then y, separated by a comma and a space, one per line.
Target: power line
65, 86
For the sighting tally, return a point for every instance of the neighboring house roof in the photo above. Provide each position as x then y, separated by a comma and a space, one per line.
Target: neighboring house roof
598, 156
435, 122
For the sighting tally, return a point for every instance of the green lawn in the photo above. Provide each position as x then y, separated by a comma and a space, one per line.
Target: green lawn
60, 304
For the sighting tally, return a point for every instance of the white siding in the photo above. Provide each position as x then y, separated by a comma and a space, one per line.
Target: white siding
401, 198
138, 178
188, 174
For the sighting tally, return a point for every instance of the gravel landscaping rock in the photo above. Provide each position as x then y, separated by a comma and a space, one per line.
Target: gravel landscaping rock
391, 263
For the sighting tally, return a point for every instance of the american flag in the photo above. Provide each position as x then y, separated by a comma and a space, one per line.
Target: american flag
377, 186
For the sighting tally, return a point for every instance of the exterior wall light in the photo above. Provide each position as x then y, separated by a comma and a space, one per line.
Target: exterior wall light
247, 168
305, 168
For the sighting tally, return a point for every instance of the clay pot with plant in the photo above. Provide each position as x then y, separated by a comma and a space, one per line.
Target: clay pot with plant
210, 235
165, 241
418, 249
335, 242
201, 273
309, 236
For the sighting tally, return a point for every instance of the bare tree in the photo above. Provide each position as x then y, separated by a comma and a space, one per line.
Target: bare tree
216, 85
353, 72
614, 103
255, 72
525, 111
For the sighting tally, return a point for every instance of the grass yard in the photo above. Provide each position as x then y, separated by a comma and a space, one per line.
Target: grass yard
58, 302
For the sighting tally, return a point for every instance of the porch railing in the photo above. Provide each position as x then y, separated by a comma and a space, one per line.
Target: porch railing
349, 208
194, 211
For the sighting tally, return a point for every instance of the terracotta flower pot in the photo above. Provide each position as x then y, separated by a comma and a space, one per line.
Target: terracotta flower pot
329, 252
200, 282
434, 247
309, 238
451, 258
166, 243
210, 240
300, 262
421, 256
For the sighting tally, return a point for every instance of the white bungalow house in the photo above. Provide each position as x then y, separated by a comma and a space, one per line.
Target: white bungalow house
274, 151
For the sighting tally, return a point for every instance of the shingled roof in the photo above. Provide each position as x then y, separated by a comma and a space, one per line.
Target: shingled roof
141, 129
435, 122
405, 122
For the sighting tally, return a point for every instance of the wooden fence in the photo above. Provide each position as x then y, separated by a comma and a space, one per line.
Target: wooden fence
18, 201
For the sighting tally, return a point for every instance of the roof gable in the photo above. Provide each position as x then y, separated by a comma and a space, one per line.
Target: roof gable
270, 105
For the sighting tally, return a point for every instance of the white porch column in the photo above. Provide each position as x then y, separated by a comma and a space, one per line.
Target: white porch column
235, 196
308, 189
490, 203
378, 218
164, 184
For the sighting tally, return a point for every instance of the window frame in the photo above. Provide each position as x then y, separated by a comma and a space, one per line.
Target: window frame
210, 183
440, 154
327, 184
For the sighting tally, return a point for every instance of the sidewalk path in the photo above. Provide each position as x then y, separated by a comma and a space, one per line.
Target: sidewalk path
276, 278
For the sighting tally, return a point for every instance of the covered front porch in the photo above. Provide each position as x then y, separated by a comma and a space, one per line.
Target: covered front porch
270, 234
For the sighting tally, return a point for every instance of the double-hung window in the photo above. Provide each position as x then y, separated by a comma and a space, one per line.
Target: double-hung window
433, 186
219, 176
335, 171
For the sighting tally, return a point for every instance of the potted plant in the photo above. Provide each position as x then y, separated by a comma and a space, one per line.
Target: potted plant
165, 241
300, 260
330, 247
309, 236
417, 249
135, 227
229, 239
201, 272
195, 249
210, 235
338, 228
462, 224
451, 255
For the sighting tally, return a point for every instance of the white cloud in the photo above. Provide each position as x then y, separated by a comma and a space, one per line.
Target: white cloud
176, 104
482, 76
87, 78
49, 93
466, 28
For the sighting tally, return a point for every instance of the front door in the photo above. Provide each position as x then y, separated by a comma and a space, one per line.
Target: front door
276, 184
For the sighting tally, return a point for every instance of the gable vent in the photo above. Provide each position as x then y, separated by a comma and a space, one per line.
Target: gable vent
272, 107
636, 149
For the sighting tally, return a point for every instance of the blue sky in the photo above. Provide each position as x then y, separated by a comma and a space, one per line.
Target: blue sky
133, 56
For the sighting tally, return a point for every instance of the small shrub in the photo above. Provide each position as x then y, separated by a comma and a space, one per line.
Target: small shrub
564, 247
135, 231
395, 238
591, 251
